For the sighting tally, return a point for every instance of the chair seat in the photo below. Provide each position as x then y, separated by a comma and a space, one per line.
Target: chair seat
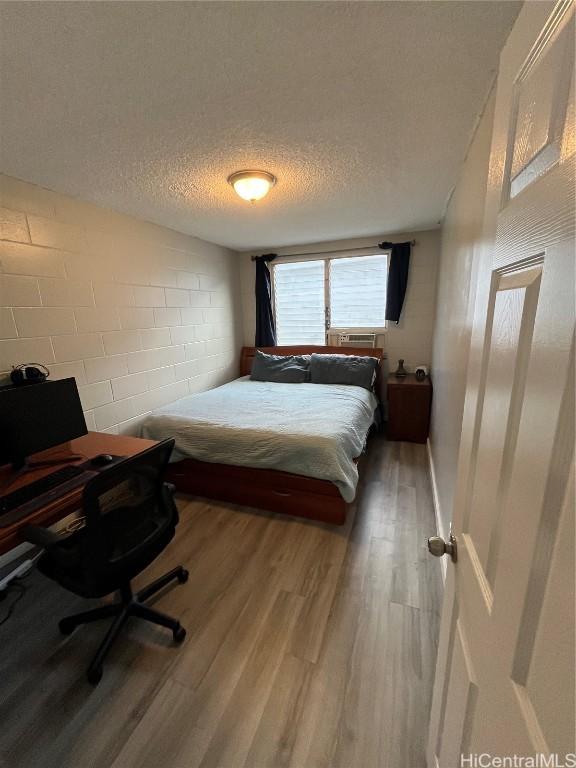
62, 564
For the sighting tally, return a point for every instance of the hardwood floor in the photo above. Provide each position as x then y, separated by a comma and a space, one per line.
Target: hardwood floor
308, 646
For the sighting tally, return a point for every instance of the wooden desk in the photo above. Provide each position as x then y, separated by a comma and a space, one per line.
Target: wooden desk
87, 447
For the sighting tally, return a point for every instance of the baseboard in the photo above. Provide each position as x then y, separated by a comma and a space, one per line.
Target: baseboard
436, 501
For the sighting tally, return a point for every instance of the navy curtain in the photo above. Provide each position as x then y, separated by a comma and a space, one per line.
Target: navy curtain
265, 328
397, 278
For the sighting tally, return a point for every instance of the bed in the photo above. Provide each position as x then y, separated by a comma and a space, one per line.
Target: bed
290, 448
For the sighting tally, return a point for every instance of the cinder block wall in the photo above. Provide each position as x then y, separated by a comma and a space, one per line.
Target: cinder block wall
140, 315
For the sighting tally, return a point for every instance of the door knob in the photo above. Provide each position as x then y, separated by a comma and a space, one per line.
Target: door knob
438, 547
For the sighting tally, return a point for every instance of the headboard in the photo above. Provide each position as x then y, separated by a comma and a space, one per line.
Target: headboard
247, 356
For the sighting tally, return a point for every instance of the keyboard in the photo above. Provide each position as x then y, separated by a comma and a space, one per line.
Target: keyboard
39, 487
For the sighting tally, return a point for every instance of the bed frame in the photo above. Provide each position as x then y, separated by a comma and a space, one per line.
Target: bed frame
269, 489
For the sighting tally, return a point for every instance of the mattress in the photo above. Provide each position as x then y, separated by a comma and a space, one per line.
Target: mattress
315, 430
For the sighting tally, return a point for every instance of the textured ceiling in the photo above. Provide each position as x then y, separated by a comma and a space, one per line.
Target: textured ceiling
363, 110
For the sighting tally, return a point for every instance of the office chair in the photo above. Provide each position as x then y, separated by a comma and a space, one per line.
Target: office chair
130, 517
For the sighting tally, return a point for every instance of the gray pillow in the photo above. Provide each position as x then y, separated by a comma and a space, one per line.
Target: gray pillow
343, 369
282, 369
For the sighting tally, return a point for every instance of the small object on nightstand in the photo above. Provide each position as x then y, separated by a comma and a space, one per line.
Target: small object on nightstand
400, 372
409, 403
421, 372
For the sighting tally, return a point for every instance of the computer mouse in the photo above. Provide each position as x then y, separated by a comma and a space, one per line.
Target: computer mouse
102, 460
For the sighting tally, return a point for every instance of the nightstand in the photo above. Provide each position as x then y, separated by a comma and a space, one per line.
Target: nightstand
409, 404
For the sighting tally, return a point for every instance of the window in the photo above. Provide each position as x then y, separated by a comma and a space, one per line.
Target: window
299, 302
358, 292
345, 293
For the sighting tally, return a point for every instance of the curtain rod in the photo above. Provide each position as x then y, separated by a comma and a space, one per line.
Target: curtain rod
330, 253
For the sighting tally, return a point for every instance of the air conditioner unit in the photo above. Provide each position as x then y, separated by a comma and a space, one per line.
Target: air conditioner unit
356, 340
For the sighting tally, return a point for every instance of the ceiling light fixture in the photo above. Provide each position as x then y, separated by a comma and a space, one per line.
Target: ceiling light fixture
252, 185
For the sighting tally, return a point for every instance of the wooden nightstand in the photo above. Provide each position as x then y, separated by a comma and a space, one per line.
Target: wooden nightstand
409, 404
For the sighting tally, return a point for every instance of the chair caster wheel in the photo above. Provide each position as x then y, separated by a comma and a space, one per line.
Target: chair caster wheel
94, 675
179, 634
183, 576
66, 627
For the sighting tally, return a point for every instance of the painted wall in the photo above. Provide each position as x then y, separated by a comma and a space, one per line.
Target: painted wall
412, 337
461, 233
140, 315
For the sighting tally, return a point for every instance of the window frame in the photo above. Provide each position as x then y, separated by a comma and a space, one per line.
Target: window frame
327, 259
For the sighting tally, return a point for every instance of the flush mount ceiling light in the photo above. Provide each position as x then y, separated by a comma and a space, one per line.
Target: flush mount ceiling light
252, 185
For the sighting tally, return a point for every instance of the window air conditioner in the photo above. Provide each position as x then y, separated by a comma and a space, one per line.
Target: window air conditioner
356, 340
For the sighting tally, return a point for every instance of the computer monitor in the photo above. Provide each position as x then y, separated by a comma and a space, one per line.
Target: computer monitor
34, 417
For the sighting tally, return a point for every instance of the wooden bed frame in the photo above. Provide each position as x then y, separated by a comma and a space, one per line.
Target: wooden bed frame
268, 488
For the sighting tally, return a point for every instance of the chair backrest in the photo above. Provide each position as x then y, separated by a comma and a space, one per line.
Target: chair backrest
128, 512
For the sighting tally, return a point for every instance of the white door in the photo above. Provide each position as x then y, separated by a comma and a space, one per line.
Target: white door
505, 672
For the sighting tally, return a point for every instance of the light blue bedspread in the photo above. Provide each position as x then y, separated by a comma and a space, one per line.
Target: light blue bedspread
316, 430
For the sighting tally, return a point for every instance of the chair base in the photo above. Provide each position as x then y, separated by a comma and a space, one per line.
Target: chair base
130, 604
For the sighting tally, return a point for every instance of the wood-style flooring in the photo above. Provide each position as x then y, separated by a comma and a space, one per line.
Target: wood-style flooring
308, 646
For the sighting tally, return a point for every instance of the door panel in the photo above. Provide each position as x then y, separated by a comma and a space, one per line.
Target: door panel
462, 694
540, 102
550, 670
513, 303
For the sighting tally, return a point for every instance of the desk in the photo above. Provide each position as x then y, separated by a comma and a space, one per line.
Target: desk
87, 447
